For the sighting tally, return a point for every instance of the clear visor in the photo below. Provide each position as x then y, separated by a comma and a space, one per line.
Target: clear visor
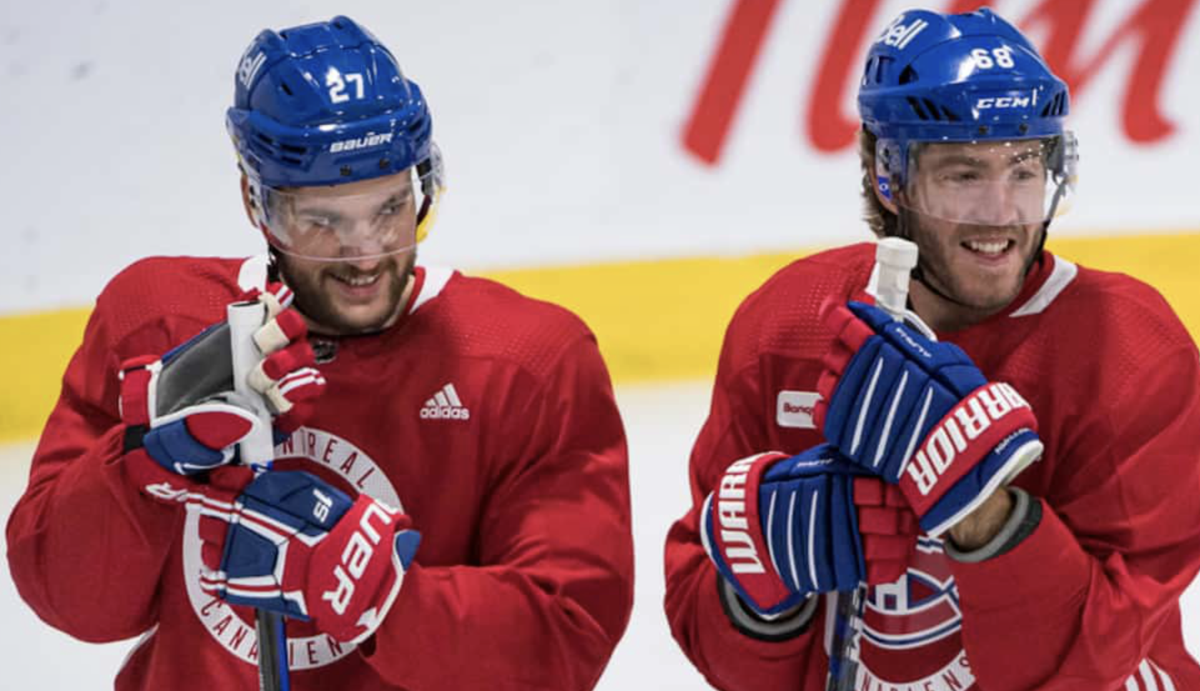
991, 183
360, 221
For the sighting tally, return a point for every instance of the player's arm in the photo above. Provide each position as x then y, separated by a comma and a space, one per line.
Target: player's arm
1098, 578
554, 588
86, 543
84, 548
731, 646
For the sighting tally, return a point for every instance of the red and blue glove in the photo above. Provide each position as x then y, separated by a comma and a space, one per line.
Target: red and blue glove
920, 414
182, 407
291, 543
781, 528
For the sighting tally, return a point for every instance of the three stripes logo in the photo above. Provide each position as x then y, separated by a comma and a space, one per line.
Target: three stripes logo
445, 405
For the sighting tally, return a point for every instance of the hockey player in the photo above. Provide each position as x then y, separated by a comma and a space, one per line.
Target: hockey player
1043, 435
449, 503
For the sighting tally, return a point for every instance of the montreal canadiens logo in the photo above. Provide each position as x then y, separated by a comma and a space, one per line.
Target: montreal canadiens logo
227, 626
919, 611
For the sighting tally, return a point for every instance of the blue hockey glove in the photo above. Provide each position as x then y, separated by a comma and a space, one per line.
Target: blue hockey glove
291, 543
780, 528
921, 414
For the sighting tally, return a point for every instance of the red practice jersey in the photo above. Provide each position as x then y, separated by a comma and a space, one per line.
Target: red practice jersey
487, 416
1089, 601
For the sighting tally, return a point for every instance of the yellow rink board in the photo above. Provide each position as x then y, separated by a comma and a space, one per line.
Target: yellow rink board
656, 320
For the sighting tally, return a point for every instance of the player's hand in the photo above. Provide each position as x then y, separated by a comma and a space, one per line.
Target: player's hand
919, 413
780, 528
291, 543
182, 409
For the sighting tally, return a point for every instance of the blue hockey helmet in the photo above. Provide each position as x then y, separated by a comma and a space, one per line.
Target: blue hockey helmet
326, 104
971, 79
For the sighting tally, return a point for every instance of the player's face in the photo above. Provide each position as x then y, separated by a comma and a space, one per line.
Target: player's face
361, 292
975, 211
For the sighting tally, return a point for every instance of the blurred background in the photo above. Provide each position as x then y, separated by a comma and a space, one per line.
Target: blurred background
647, 163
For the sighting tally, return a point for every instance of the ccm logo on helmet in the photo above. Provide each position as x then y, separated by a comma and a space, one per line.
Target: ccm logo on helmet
971, 418
731, 513
998, 102
357, 555
360, 143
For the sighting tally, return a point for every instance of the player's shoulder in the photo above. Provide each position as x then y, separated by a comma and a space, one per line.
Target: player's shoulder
484, 318
180, 290
784, 312
1129, 311
840, 268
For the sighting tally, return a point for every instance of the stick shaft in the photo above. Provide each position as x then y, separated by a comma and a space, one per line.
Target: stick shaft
258, 450
895, 259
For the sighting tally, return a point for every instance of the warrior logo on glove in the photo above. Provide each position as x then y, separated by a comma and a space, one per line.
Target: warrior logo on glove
920, 414
781, 528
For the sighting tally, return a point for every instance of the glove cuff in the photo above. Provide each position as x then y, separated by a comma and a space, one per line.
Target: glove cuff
1022, 521
781, 627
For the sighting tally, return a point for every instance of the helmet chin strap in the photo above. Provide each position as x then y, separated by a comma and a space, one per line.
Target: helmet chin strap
920, 271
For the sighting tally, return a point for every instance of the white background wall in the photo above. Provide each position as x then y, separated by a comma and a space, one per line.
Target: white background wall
561, 123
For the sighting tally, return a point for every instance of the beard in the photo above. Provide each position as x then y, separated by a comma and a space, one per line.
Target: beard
937, 269
322, 309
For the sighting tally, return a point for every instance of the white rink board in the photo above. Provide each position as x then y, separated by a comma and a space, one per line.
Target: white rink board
562, 125
661, 422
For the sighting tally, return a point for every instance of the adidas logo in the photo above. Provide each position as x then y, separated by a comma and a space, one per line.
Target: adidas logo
445, 405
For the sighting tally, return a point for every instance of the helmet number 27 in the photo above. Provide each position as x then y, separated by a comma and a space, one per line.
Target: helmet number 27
986, 60
337, 85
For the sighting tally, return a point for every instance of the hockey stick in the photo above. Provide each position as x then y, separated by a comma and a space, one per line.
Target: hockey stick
895, 259
258, 450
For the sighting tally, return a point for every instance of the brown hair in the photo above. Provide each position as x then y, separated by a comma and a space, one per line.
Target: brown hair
879, 219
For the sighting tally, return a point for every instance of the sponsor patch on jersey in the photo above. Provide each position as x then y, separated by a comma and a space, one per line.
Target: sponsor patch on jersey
795, 409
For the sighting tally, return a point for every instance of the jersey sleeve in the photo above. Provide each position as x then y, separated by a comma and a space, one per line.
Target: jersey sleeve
735, 428
1099, 580
553, 589
84, 548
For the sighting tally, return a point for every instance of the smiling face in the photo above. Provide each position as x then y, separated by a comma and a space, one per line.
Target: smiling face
347, 251
976, 212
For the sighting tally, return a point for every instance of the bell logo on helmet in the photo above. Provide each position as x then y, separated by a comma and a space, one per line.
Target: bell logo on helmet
250, 67
898, 35
361, 143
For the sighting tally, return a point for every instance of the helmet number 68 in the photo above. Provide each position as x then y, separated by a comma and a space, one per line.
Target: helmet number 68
986, 60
